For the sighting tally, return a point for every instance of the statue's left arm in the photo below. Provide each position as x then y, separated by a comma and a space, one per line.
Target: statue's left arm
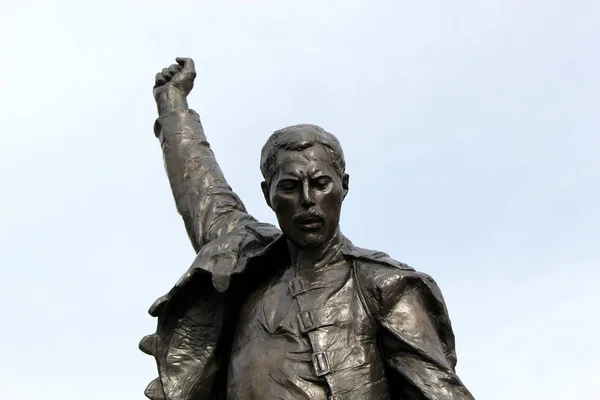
417, 340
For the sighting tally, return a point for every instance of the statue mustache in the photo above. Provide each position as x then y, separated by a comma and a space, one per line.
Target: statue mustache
309, 216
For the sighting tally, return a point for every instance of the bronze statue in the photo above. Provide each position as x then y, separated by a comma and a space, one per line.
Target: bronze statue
302, 314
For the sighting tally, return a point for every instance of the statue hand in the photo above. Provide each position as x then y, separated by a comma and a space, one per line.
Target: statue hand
173, 84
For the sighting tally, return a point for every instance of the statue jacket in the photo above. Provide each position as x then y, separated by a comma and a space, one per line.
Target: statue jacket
390, 337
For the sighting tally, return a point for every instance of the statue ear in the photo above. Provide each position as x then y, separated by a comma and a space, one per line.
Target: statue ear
345, 183
265, 189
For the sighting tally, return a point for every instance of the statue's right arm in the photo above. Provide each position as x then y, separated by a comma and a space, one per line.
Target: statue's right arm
203, 198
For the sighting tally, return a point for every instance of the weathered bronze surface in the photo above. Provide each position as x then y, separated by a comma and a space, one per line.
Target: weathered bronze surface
296, 313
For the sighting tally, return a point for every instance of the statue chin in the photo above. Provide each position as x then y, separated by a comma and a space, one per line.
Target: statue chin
308, 241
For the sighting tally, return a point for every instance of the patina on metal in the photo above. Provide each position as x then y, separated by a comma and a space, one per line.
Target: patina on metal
292, 313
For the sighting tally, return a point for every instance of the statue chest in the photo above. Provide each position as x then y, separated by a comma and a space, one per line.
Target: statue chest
308, 332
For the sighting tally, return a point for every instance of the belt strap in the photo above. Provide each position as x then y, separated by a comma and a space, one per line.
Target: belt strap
315, 318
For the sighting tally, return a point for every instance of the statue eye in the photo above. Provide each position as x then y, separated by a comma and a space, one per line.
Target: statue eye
322, 183
287, 186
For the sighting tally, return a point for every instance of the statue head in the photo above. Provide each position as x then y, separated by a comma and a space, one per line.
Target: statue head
305, 183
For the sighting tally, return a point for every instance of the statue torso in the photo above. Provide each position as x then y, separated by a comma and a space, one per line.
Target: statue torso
297, 330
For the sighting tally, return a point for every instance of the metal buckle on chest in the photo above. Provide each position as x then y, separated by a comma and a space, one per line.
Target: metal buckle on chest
321, 363
306, 321
297, 286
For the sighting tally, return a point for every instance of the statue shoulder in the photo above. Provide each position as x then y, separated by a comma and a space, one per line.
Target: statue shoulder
221, 258
384, 281
376, 258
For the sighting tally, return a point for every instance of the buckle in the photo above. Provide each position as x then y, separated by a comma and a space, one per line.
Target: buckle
306, 321
297, 286
334, 398
321, 363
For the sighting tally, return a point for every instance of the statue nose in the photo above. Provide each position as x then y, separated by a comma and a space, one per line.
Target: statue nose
307, 196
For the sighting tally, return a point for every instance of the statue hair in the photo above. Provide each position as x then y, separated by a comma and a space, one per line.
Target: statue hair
298, 138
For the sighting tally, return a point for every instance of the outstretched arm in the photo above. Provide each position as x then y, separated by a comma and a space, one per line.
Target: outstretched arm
204, 199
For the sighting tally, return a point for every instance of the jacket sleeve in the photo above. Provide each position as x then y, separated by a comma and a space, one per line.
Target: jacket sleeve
416, 337
203, 198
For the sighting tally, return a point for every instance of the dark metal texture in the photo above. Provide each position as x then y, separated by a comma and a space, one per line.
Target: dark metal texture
296, 313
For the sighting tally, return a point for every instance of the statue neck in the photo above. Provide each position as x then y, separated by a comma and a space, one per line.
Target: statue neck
313, 259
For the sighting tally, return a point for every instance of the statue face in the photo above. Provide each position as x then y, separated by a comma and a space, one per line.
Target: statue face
306, 194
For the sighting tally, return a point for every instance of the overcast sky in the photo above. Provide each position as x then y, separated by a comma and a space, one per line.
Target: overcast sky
471, 131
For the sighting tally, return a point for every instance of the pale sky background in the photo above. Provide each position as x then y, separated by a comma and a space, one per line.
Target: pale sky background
471, 131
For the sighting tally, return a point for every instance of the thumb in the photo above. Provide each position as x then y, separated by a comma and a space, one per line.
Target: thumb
187, 65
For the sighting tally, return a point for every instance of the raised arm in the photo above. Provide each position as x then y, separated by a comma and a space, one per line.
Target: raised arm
204, 199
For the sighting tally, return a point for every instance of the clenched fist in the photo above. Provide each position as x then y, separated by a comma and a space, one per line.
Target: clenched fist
173, 84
